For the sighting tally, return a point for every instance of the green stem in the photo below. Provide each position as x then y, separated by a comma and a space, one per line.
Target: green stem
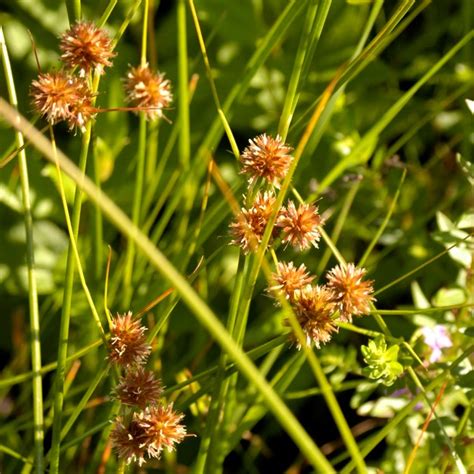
136, 211
73, 244
183, 85
101, 372
17, 379
341, 219
35, 341
434, 309
67, 301
139, 178
215, 95
143, 60
73, 10
308, 41
418, 268
107, 12
385, 222
98, 223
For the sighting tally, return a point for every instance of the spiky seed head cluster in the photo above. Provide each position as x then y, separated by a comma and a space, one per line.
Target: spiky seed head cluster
288, 279
249, 225
151, 425
352, 294
300, 225
86, 47
318, 308
128, 346
314, 309
61, 97
148, 433
148, 90
266, 157
139, 388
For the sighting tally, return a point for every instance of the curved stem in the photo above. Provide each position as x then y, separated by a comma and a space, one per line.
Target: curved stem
199, 308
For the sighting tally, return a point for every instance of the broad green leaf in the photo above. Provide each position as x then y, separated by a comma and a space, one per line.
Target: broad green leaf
449, 296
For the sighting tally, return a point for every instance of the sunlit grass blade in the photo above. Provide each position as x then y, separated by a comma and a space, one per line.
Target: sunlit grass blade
35, 343
201, 311
363, 150
384, 223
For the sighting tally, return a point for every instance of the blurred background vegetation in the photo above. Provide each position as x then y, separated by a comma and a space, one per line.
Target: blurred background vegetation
424, 138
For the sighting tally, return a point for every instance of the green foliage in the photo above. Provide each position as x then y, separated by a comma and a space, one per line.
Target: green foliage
382, 361
389, 163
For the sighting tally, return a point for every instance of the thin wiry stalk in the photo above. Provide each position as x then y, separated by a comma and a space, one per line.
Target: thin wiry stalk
73, 10
308, 41
98, 221
325, 386
418, 268
139, 177
136, 210
362, 151
107, 12
67, 302
384, 223
190, 186
222, 382
215, 95
375, 439
341, 219
73, 244
35, 341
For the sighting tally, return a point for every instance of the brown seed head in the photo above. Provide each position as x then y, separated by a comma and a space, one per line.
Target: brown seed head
87, 47
128, 346
249, 226
139, 388
163, 428
58, 97
352, 295
266, 157
148, 433
148, 90
300, 225
289, 279
314, 307
130, 440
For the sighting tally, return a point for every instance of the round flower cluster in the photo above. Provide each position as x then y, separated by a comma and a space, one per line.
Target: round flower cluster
269, 158
299, 225
318, 308
63, 96
151, 425
86, 47
148, 91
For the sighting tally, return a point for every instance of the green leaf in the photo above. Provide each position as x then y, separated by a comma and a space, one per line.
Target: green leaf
469, 331
449, 297
466, 380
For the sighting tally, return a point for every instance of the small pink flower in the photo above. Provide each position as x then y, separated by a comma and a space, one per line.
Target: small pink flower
436, 338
